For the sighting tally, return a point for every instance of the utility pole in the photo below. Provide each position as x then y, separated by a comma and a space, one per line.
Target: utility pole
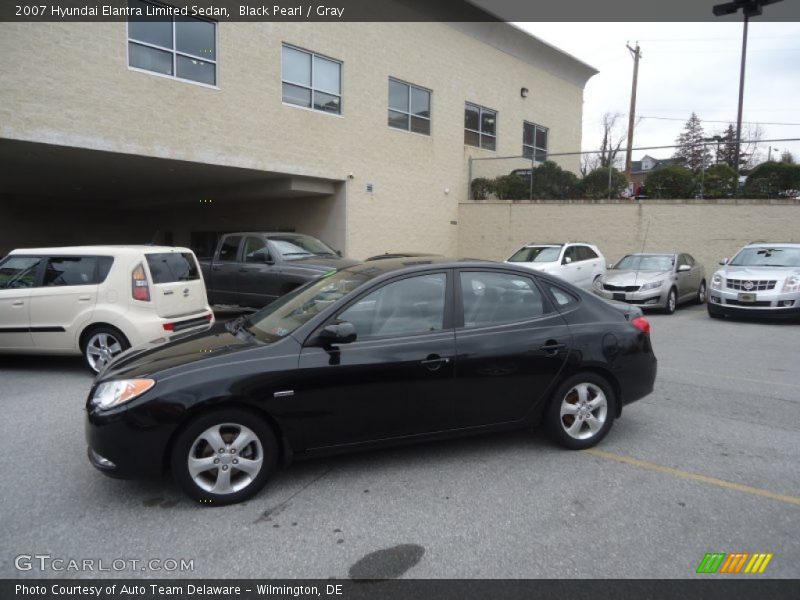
637, 54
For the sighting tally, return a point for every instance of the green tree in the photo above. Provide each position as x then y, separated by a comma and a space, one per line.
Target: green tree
511, 187
550, 181
691, 149
595, 184
718, 181
670, 182
481, 188
771, 177
788, 158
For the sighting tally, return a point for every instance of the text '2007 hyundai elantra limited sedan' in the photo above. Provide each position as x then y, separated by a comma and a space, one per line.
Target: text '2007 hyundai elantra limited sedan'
380, 353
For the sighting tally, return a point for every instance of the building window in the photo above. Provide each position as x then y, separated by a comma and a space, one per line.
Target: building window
480, 126
534, 141
311, 81
409, 107
180, 47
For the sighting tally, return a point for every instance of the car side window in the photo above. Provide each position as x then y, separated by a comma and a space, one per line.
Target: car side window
70, 270
562, 297
572, 254
229, 250
497, 298
587, 253
19, 272
256, 250
404, 307
689, 259
682, 260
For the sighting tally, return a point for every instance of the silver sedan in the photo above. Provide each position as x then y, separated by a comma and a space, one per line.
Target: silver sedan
654, 280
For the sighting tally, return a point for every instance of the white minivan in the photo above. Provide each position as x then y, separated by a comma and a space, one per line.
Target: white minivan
98, 300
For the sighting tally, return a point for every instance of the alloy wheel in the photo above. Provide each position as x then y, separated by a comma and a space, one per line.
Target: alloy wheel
584, 410
672, 302
225, 458
701, 294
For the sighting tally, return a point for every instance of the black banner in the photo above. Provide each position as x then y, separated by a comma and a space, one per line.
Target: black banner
388, 10
418, 589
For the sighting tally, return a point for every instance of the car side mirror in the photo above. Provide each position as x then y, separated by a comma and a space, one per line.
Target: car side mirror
339, 253
684, 268
567, 260
342, 332
609, 266
723, 261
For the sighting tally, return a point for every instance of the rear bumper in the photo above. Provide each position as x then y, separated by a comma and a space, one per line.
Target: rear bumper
142, 331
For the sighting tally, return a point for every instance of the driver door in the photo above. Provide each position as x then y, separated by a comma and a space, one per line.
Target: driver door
18, 276
259, 280
396, 379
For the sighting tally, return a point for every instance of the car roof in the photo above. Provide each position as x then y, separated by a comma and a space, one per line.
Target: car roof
772, 244
108, 249
388, 265
667, 253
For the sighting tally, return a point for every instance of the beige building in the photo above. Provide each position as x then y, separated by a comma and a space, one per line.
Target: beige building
357, 133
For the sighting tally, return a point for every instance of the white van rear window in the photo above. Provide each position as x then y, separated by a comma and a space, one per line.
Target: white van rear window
169, 267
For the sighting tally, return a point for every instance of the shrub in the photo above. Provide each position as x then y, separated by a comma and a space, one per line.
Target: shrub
670, 182
595, 184
718, 181
481, 188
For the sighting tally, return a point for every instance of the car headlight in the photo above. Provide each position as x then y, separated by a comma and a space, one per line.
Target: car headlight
716, 282
114, 393
792, 284
652, 285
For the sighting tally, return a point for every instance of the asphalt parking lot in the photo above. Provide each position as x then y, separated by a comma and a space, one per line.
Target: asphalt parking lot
707, 463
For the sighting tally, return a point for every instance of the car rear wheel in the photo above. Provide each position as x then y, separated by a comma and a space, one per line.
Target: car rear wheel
701, 293
224, 456
581, 412
672, 302
101, 346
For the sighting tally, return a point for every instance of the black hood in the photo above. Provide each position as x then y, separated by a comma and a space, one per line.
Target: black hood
160, 355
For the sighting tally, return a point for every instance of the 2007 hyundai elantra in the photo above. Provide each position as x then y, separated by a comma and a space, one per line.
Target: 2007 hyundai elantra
386, 352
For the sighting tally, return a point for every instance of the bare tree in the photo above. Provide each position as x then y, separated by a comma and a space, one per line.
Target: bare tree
752, 134
614, 136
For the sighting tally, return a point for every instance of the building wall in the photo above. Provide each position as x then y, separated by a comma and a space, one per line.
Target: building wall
69, 84
709, 230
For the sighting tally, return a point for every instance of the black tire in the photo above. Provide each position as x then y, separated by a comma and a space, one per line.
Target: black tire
702, 293
557, 425
672, 301
226, 421
101, 344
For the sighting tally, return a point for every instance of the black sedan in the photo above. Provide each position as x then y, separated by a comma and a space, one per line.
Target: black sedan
380, 353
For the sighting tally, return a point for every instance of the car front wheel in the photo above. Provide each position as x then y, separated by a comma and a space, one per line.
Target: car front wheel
224, 456
581, 412
672, 302
701, 293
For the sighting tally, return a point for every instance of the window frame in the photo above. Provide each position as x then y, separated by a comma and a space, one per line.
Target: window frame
408, 113
534, 148
174, 51
311, 87
481, 110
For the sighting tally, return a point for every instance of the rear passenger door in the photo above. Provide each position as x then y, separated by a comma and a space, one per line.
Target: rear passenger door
570, 266
64, 302
510, 346
592, 265
223, 285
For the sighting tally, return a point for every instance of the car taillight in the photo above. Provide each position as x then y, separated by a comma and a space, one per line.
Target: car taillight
641, 324
139, 286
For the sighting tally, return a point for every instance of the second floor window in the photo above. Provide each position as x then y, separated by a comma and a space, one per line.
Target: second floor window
311, 81
180, 47
480, 126
409, 107
534, 141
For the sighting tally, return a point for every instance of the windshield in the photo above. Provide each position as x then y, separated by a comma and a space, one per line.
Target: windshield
287, 313
536, 254
292, 247
646, 262
767, 257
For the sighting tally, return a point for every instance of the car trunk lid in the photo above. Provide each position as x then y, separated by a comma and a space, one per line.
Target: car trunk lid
178, 288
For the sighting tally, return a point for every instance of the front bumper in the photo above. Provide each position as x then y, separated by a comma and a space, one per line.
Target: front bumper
125, 444
656, 298
766, 304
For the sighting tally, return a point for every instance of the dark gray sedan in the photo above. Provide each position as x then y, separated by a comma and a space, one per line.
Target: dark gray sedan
654, 280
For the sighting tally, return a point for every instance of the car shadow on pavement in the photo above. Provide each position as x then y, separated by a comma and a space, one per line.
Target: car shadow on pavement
52, 364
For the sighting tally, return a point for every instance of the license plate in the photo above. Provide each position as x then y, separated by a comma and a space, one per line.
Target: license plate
747, 297
619, 296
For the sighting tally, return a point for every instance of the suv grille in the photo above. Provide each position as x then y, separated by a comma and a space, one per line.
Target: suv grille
620, 288
751, 285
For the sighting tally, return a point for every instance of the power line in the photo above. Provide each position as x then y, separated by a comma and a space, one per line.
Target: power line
728, 122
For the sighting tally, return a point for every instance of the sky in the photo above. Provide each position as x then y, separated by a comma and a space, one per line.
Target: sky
686, 67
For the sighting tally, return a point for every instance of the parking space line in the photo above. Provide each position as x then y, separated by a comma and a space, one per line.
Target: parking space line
728, 485
749, 380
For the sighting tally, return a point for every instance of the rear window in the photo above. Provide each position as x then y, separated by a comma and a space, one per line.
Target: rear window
169, 267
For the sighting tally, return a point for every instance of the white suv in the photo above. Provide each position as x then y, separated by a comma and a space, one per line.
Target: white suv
98, 300
579, 263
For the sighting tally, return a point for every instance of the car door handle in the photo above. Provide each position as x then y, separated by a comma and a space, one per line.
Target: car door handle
552, 348
84, 298
18, 303
434, 362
